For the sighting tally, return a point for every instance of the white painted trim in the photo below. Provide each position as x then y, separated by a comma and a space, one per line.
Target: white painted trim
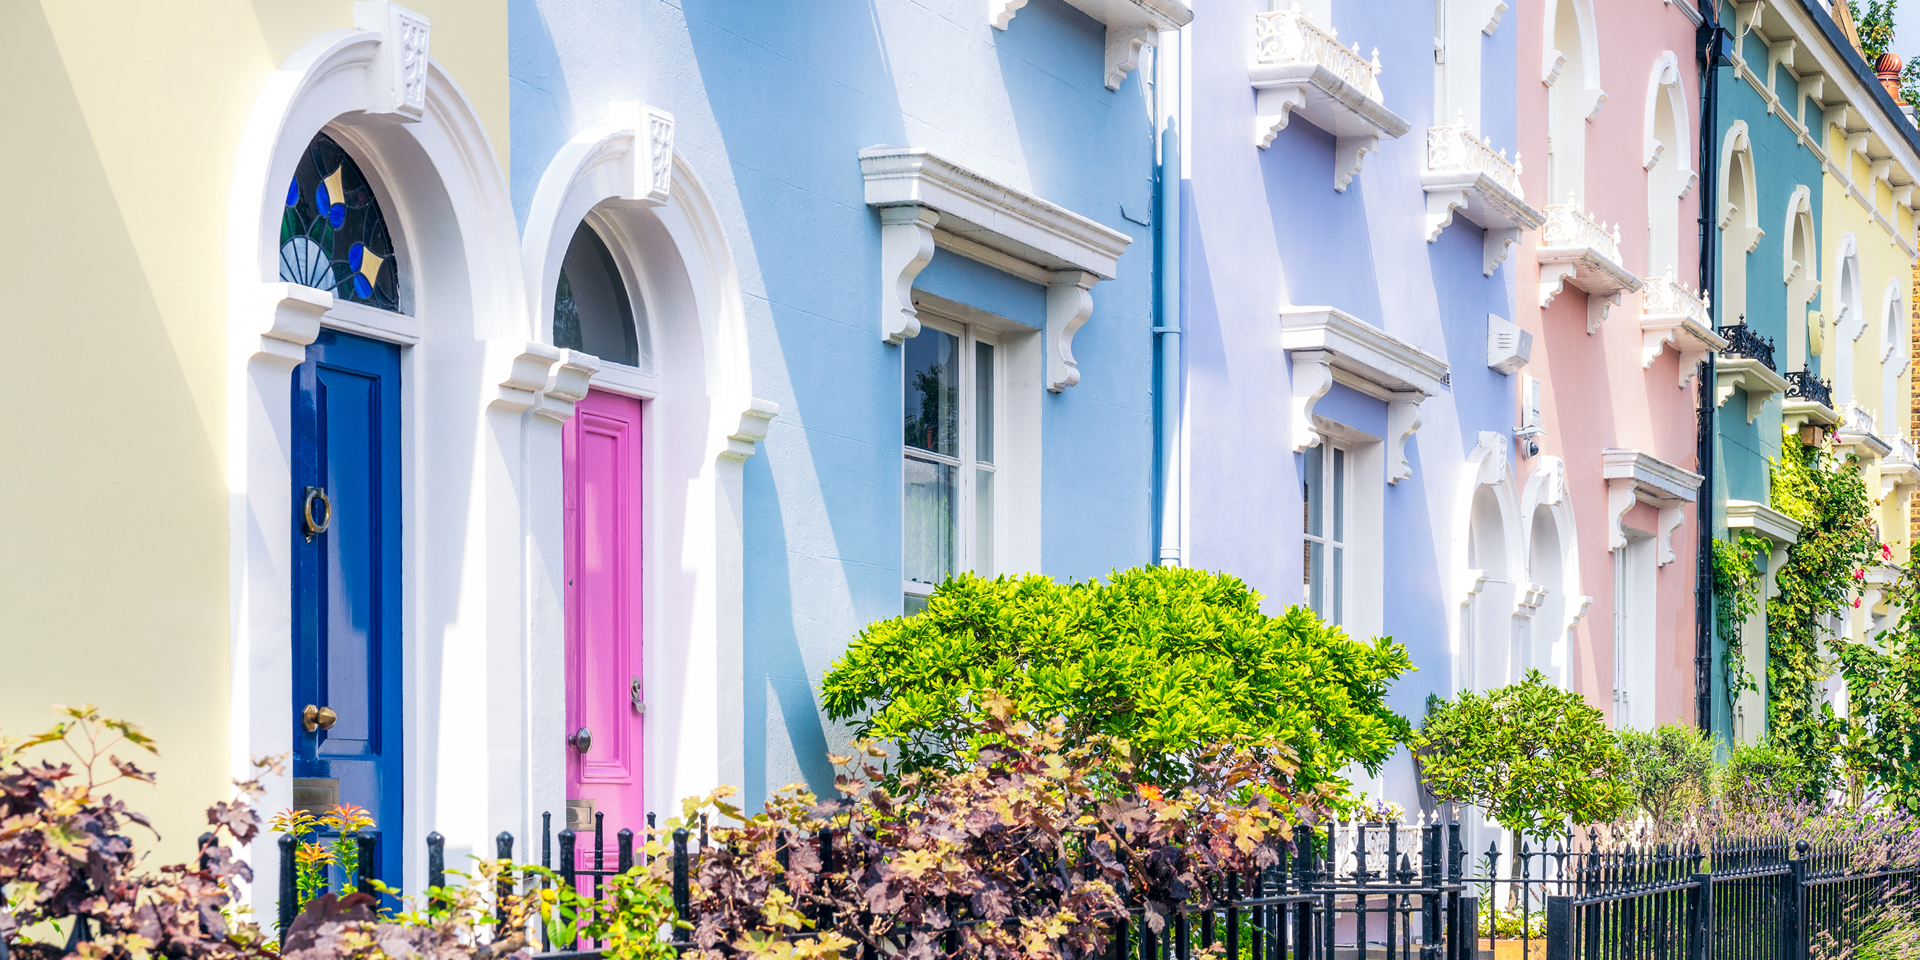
1633, 476
1737, 147
1666, 76
1783, 530
1487, 466
1328, 345
1131, 25
1759, 380
921, 197
1546, 488
427, 155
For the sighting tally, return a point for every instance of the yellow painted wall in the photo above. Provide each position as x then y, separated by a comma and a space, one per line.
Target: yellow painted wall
120, 131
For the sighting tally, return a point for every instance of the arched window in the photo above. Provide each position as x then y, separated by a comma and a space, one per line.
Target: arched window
333, 236
1800, 268
1669, 173
1572, 72
1851, 317
591, 310
1739, 219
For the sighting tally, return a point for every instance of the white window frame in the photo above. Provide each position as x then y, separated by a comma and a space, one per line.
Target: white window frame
1336, 508
1363, 574
966, 529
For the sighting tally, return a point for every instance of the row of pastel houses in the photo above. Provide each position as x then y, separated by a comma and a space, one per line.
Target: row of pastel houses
512, 408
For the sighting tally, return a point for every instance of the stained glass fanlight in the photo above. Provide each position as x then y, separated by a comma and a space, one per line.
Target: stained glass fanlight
333, 235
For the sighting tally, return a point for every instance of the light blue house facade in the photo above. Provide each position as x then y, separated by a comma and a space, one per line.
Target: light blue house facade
842, 223
1351, 354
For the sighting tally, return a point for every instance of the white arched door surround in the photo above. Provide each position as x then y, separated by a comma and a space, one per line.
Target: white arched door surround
1738, 219
1489, 558
1570, 67
1553, 569
1666, 154
1800, 270
700, 424
1851, 318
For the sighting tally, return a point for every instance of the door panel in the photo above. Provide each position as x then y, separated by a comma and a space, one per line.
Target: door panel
602, 478
346, 589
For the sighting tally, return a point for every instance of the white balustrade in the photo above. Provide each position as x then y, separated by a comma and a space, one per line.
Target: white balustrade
1291, 36
1454, 148
1668, 297
1570, 226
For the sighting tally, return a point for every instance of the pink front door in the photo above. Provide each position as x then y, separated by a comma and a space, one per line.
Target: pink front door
606, 697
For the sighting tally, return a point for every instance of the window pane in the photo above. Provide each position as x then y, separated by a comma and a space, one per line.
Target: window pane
1316, 577
333, 235
1337, 586
911, 604
1310, 473
1339, 495
983, 522
929, 520
591, 312
933, 392
983, 402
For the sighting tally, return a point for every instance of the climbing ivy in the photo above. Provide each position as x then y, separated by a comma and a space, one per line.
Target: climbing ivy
1883, 699
1818, 581
1736, 596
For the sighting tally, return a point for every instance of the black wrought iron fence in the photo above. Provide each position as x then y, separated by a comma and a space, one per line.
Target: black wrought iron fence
1802, 385
1743, 342
1390, 891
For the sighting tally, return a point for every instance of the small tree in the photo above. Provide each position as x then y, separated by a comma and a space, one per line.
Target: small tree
1165, 662
1532, 755
1669, 768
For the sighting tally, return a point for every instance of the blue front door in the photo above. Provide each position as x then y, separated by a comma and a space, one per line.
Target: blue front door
346, 585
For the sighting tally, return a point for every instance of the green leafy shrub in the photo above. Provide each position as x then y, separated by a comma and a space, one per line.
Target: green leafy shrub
1532, 755
1162, 662
1761, 774
1883, 697
1668, 768
1823, 569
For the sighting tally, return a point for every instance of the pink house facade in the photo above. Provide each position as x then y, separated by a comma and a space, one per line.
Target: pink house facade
1608, 117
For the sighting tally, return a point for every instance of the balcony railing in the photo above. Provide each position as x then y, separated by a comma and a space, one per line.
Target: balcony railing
1902, 451
1291, 36
1857, 419
1802, 385
1455, 148
1668, 297
1743, 342
1570, 226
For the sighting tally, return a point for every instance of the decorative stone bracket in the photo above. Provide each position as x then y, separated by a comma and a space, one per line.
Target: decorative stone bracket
1576, 249
1464, 174
1633, 476
754, 422
651, 129
927, 202
1299, 67
402, 59
1132, 25
1327, 346
1673, 313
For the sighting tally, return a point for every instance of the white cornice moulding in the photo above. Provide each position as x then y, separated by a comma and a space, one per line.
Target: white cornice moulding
926, 201
1131, 26
1764, 520
402, 60
754, 422
1759, 380
1328, 346
1298, 67
1633, 476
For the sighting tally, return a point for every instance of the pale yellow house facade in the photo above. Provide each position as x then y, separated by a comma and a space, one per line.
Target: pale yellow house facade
127, 131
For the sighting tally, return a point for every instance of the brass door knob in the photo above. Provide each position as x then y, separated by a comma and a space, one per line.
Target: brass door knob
318, 718
582, 740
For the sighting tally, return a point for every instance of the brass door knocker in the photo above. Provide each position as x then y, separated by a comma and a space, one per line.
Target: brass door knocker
326, 519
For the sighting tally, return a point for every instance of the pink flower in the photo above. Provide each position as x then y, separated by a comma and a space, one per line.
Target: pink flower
1860, 574
1856, 603
1886, 552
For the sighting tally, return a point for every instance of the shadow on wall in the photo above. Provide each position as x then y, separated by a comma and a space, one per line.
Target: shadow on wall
540, 107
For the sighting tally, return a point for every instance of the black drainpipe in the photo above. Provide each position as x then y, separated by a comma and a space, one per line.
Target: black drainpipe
1711, 41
